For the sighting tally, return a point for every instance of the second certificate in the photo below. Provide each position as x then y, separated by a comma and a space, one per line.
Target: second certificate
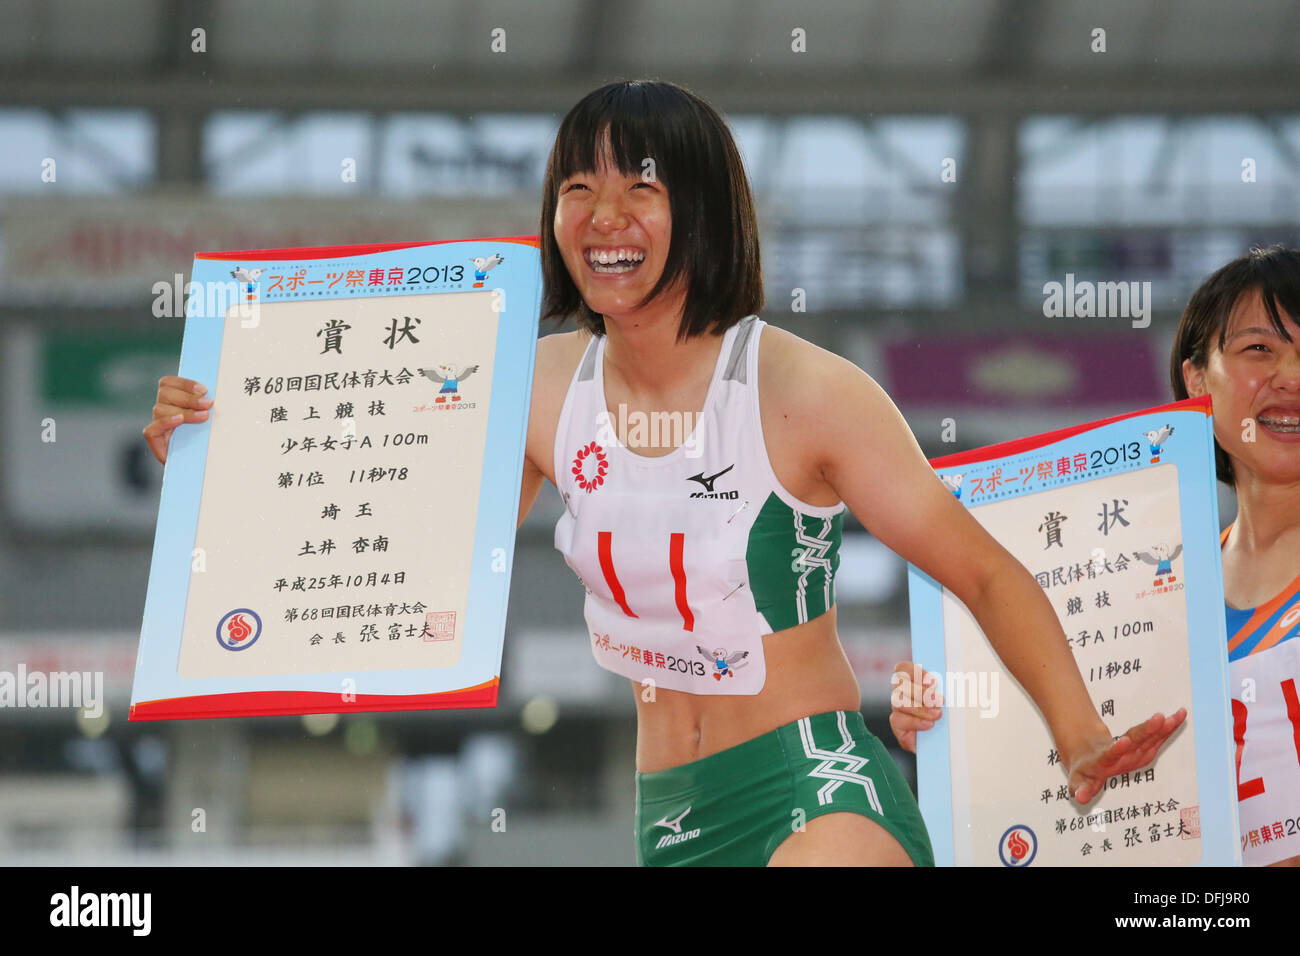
1107, 554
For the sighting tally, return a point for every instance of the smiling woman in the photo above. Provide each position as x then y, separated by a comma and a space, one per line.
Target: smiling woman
1239, 342
709, 565
1238, 334
665, 159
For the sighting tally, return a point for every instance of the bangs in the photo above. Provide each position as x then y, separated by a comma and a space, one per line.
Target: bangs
1275, 273
626, 124
614, 128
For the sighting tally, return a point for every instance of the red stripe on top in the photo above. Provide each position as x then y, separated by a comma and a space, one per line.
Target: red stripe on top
1292, 709
603, 542
1255, 786
340, 252
679, 579
1018, 445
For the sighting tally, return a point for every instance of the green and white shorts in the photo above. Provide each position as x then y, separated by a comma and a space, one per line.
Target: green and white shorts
734, 808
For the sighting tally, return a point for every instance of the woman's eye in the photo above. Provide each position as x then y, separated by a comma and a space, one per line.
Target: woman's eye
1257, 345
573, 186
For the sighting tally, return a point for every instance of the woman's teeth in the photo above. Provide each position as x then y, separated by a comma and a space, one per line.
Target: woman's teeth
1288, 424
614, 261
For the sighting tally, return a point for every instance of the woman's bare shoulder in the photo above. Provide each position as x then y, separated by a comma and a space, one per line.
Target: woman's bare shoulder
786, 357
793, 378
558, 355
558, 343
812, 393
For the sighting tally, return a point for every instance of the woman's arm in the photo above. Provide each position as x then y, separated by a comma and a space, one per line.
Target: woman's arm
528, 489
866, 452
547, 368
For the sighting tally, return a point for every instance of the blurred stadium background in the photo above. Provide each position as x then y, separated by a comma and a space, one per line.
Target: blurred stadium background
1123, 165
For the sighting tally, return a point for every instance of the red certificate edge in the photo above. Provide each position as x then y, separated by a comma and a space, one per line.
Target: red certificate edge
339, 252
273, 703
1015, 446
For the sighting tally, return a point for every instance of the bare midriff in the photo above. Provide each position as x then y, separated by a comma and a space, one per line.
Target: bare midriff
807, 673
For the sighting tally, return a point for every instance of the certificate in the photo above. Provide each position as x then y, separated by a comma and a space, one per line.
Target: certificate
1118, 522
338, 536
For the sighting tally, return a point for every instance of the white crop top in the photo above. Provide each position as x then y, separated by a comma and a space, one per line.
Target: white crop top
688, 559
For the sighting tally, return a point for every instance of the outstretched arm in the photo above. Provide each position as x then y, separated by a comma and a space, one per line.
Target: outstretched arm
868, 455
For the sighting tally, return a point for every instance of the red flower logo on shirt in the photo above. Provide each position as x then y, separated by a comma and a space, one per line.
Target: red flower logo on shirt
589, 467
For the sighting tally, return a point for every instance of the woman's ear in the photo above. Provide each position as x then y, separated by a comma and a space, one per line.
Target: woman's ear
1193, 379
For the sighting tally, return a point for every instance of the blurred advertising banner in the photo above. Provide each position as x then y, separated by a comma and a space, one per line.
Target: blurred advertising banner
968, 389
112, 251
1004, 370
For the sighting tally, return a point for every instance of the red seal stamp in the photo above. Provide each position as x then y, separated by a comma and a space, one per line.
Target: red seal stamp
440, 626
1191, 817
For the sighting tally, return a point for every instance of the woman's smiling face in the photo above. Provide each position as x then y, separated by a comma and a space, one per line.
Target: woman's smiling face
1254, 382
613, 231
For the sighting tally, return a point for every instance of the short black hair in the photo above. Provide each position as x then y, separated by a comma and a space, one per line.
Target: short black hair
1275, 273
714, 245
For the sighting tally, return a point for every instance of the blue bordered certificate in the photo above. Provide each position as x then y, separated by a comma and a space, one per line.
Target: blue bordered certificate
338, 535
1118, 522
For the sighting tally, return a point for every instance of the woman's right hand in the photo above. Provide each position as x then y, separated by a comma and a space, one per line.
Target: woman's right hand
179, 400
913, 687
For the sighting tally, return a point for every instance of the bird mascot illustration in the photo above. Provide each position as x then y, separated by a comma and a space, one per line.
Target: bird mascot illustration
953, 483
1162, 557
483, 265
724, 666
1156, 439
450, 378
249, 277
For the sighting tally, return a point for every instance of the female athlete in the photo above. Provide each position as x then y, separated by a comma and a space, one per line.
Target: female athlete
1235, 344
708, 557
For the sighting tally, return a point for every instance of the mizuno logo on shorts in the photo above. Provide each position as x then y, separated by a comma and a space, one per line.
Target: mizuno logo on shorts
678, 835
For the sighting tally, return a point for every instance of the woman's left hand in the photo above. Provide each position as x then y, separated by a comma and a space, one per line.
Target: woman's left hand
1093, 767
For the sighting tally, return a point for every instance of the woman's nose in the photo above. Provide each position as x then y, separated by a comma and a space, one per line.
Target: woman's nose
1287, 374
608, 212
